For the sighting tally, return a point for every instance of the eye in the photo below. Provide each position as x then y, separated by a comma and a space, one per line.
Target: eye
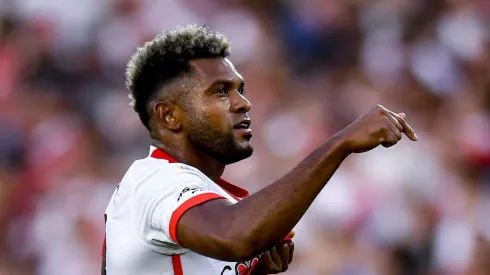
221, 91
241, 90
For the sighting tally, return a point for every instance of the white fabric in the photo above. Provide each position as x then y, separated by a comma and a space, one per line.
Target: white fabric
138, 239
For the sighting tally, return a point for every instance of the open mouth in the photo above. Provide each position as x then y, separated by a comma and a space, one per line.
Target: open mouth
243, 125
244, 128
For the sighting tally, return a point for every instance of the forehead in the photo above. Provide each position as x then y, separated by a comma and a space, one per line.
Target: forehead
209, 70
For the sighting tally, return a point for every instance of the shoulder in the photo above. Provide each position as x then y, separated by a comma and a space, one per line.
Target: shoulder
152, 175
148, 168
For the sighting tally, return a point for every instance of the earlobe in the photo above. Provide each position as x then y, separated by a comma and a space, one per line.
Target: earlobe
167, 114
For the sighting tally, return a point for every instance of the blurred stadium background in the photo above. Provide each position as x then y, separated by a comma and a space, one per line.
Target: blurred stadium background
312, 66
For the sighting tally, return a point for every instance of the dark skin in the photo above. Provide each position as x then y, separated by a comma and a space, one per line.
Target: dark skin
208, 84
260, 222
276, 259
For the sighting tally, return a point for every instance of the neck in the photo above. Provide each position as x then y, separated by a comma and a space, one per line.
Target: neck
188, 155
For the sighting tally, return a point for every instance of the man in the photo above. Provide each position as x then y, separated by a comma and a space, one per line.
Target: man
171, 212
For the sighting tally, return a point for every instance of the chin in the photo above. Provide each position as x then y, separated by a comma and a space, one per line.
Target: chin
241, 153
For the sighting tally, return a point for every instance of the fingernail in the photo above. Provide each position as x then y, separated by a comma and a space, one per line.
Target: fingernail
415, 135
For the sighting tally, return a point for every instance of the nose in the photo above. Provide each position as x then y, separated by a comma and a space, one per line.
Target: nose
240, 104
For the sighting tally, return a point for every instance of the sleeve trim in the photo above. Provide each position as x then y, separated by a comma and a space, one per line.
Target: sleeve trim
177, 214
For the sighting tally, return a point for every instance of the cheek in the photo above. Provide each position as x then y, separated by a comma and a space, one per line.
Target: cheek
218, 116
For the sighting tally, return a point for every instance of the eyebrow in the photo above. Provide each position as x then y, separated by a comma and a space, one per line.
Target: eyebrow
227, 81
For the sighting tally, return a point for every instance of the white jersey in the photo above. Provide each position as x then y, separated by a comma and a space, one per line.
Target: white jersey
142, 217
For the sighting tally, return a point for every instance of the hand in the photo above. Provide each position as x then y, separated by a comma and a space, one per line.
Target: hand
378, 126
277, 259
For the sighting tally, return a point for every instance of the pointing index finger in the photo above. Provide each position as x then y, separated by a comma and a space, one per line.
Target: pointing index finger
409, 132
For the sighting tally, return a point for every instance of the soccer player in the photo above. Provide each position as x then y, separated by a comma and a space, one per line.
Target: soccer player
172, 213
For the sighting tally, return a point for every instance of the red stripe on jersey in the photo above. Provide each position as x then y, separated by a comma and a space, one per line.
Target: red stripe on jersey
159, 154
194, 201
235, 191
177, 265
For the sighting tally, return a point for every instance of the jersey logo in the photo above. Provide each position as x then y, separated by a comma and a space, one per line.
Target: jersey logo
185, 168
187, 189
241, 268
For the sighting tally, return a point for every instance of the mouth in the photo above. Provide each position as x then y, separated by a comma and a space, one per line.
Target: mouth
243, 127
244, 124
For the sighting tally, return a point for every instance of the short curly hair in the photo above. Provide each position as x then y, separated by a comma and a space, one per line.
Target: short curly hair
165, 59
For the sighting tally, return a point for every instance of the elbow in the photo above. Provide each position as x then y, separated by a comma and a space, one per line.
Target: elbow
239, 248
242, 252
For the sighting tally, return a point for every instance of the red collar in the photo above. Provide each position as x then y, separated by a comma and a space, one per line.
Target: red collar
235, 191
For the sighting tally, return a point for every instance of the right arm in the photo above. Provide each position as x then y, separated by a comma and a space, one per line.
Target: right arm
240, 231
234, 232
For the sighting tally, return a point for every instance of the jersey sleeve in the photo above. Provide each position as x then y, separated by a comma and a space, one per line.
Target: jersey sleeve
160, 201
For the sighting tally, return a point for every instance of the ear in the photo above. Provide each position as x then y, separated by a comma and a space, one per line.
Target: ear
169, 114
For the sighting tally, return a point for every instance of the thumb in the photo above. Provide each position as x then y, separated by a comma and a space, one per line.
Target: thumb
403, 115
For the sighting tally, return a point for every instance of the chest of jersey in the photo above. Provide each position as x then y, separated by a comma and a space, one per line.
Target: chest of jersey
131, 249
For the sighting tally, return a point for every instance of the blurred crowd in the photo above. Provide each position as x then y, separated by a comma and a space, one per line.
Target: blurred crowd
311, 67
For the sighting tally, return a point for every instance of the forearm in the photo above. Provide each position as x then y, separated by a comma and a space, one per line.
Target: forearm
266, 217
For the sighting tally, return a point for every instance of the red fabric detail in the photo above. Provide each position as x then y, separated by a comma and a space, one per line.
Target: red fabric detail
159, 154
234, 191
253, 264
246, 267
177, 265
199, 199
242, 269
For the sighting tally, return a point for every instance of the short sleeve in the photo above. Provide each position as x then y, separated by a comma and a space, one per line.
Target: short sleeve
160, 201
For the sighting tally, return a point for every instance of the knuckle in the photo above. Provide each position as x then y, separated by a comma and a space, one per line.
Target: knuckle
384, 130
376, 109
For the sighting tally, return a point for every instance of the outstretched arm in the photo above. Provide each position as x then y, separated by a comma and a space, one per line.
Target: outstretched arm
233, 232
